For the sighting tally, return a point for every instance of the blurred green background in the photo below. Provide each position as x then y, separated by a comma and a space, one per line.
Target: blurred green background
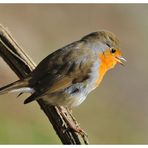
117, 111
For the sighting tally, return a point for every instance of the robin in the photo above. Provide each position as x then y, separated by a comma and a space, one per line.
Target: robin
68, 75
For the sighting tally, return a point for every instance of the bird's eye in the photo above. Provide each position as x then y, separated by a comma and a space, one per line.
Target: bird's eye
113, 50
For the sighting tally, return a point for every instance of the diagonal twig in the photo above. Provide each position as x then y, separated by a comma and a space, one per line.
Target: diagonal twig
22, 65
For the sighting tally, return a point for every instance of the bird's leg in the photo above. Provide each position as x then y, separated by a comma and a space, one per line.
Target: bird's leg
79, 130
73, 118
71, 121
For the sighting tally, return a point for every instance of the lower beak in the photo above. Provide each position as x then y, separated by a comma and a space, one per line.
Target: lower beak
121, 60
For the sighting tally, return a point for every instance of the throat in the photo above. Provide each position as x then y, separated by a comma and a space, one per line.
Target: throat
101, 70
103, 67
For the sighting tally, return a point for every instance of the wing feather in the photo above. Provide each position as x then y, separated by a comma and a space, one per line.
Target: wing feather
62, 68
60, 85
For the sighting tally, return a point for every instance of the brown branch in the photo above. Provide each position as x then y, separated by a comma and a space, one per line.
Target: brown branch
22, 65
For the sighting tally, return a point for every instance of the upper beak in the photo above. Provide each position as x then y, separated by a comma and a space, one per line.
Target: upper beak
121, 60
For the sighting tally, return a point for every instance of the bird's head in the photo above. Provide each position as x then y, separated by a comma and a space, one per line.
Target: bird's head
106, 44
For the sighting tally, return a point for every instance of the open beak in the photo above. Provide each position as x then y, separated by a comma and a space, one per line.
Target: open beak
121, 60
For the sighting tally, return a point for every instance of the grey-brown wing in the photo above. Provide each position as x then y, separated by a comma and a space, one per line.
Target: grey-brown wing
67, 61
61, 69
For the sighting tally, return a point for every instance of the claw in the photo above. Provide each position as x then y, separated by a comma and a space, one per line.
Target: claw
80, 131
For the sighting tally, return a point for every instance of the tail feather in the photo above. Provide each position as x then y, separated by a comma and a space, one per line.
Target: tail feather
14, 86
31, 98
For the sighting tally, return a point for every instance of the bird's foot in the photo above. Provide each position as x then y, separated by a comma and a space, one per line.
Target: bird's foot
71, 121
80, 131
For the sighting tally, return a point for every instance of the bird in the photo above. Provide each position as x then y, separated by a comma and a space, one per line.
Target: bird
66, 76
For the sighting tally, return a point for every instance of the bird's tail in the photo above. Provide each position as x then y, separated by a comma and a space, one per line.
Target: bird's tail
17, 86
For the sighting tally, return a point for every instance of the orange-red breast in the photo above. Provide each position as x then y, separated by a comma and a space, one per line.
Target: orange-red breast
68, 75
